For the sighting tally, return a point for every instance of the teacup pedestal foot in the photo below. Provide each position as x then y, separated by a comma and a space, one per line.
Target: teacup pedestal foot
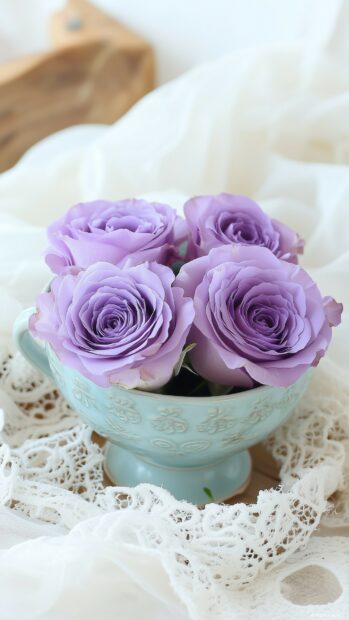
214, 482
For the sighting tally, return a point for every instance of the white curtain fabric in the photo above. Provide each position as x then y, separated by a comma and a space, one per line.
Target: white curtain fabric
271, 123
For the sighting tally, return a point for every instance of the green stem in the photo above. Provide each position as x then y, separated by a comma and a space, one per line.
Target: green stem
198, 388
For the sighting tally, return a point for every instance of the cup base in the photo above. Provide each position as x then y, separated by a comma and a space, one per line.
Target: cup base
214, 482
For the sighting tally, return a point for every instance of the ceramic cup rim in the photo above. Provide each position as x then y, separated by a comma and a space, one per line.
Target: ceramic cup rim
144, 393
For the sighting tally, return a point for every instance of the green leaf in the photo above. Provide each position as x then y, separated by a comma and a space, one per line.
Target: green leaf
190, 369
198, 388
219, 390
208, 493
176, 267
180, 362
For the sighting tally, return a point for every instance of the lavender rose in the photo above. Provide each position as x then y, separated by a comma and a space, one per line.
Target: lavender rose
114, 231
224, 219
257, 318
125, 326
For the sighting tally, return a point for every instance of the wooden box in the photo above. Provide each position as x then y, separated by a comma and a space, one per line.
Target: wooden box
96, 70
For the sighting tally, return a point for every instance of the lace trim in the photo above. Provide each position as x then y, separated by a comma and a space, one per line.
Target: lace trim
51, 470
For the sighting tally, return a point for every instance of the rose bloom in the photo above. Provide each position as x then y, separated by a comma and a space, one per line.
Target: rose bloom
114, 231
116, 325
257, 318
225, 219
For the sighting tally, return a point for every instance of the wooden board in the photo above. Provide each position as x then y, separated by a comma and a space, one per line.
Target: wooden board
265, 475
96, 71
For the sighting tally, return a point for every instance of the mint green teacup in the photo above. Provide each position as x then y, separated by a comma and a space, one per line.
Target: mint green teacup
196, 447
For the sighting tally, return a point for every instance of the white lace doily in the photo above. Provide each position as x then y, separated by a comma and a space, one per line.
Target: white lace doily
51, 470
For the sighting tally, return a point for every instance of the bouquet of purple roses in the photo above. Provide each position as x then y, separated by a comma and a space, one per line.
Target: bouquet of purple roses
147, 299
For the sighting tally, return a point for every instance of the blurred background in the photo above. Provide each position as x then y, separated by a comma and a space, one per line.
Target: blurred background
182, 33
74, 62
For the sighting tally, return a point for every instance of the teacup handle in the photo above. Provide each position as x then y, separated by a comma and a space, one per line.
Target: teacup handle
30, 348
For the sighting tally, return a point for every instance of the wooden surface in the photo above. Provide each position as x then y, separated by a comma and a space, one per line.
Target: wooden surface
95, 72
265, 475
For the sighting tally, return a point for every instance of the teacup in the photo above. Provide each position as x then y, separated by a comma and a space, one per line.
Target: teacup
196, 447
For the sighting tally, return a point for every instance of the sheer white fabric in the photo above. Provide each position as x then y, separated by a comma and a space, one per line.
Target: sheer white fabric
271, 124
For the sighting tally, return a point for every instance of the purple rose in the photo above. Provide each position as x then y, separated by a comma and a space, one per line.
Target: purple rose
225, 219
116, 325
114, 231
257, 318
